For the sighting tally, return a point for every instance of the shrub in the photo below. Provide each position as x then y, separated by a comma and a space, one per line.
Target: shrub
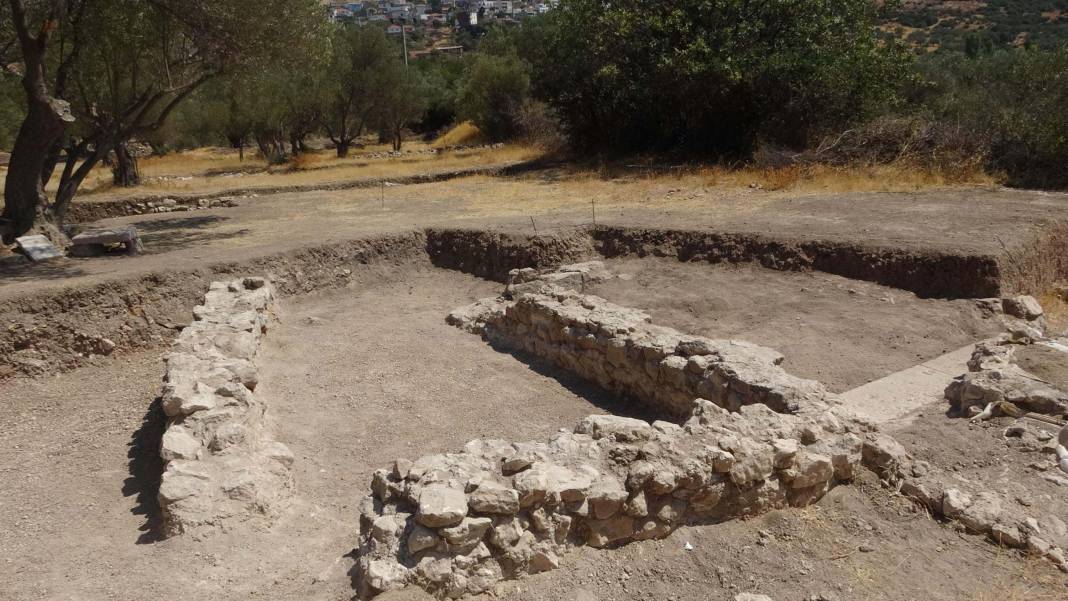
492, 93
713, 76
1011, 99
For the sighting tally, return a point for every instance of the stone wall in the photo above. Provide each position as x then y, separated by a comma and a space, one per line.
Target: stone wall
457, 523
220, 462
622, 351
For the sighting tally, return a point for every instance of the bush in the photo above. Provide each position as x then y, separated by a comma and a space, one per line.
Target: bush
540, 126
493, 91
711, 76
1013, 100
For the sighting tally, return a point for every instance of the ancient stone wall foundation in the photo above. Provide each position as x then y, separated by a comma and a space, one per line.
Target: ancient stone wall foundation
220, 462
622, 351
456, 524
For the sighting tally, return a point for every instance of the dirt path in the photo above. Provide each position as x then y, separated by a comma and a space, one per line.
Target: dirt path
841, 332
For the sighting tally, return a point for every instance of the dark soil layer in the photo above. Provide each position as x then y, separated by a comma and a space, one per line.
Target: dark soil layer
931, 274
844, 333
492, 254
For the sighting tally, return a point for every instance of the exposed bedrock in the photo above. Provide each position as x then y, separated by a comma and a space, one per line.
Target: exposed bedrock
458, 523
220, 460
622, 351
995, 384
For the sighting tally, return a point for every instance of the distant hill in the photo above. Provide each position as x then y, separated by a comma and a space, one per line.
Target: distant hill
954, 25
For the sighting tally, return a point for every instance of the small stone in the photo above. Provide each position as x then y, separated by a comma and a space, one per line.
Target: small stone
386, 575
441, 506
954, 502
751, 597
467, 532
178, 443
1024, 307
421, 539
491, 497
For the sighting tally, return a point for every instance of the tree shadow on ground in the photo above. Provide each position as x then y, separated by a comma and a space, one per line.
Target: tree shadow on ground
15, 268
166, 235
179, 223
146, 469
610, 402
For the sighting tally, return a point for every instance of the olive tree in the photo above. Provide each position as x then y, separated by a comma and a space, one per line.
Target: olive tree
353, 82
122, 67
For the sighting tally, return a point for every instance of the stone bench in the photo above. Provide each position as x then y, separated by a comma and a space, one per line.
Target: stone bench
94, 243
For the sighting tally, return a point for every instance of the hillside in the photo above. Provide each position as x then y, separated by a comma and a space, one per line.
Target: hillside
951, 24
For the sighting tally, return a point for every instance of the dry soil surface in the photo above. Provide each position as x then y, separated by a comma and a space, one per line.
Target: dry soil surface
357, 377
841, 332
957, 220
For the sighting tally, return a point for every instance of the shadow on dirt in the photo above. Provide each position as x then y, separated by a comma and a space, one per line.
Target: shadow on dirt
146, 468
15, 268
165, 235
603, 399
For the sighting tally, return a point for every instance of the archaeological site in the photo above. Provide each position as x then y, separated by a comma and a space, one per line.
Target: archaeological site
533, 300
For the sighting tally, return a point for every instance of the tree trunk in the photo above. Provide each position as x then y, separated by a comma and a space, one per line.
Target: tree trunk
24, 196
343, 149
72, 178
125, 173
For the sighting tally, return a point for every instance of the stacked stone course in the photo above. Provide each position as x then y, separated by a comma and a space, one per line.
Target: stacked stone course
622, 351
458, 523
220, 460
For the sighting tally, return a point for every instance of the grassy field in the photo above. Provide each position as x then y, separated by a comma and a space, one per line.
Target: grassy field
213, 170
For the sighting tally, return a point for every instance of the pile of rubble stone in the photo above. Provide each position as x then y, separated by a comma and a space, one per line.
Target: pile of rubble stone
220, 460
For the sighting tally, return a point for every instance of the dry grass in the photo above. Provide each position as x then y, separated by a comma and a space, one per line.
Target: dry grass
1029, 580
464, 134
205, 172
1056, 308
825, 178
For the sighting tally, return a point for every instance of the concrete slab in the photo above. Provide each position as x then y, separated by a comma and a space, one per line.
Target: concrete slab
894, 400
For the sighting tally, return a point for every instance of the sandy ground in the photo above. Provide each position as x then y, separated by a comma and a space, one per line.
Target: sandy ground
842, 332
357, 377
958, 220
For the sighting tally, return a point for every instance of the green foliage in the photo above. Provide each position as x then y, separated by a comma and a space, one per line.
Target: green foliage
1011, 100
712, 76
441, 76
403, 101
353, 85
12, 103
991, 24
493, 91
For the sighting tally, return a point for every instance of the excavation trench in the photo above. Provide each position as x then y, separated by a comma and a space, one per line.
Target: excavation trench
362, 370
64, 329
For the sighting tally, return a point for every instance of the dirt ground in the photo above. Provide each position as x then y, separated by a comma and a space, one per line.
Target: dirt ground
354, 379
357, 377
842, 332
955, 220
